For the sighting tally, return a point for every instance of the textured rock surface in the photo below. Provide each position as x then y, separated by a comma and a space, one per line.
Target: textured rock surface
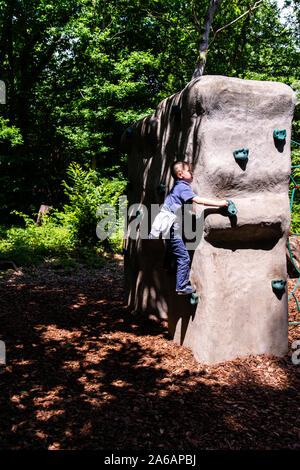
238, 313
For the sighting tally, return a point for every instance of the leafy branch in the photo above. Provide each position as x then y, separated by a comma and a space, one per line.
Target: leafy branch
256, 5
208, 19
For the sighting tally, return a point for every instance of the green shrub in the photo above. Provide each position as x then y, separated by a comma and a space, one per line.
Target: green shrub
86, 191
68, 234
295, 215
33, 244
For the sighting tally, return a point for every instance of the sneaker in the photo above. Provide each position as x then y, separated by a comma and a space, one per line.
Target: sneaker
186, 291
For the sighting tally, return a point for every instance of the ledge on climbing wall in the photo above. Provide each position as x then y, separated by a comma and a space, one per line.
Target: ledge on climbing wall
258, 216
260, 236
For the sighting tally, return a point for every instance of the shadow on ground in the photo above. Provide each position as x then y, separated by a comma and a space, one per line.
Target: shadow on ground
84, 372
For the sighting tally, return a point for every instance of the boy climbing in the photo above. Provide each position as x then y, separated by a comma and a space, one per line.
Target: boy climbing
168, 221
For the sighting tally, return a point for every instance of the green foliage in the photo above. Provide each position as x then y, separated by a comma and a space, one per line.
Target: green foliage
32, 245
86, 191
78, 72
10, 134
295, 215
50, 243
295, 153
68, 235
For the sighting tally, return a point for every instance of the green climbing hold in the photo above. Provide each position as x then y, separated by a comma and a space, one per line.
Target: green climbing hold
194, 298
278, 284
232, 210
241, 154
161, 188
279, 134
129, 132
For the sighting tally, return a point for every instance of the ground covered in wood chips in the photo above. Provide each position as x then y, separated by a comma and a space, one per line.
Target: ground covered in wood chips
84, 372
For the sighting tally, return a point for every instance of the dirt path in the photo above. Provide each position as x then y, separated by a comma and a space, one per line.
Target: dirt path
83, 372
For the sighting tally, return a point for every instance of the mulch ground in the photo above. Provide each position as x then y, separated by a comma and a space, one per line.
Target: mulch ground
84, 372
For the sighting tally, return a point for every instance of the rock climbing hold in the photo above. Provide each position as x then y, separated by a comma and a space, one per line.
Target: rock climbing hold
129, 132
194, 298
232, 210
241, 154
279, 134
278, 284
161, 188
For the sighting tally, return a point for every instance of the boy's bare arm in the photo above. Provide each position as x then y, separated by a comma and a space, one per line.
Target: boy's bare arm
210, 202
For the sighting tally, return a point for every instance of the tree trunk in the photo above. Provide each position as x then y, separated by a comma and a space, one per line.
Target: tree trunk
208, 19
43, 210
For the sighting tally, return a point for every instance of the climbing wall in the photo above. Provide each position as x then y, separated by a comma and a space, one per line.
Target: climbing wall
236, 135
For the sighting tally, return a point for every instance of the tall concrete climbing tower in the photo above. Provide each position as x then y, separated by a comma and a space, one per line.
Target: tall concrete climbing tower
236, 135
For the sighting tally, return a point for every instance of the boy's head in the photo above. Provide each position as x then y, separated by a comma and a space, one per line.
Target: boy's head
181, 171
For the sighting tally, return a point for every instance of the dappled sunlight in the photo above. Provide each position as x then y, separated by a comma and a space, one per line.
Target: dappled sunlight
84, 371
45, 415
51, 332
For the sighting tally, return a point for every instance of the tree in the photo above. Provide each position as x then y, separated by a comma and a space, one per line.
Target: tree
78, 72
207, 25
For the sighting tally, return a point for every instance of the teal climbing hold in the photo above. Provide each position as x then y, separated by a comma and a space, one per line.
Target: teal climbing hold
161, 188
279, 284
139, 214
194, 298
241, 154
129, 132
279, 134
232, 210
